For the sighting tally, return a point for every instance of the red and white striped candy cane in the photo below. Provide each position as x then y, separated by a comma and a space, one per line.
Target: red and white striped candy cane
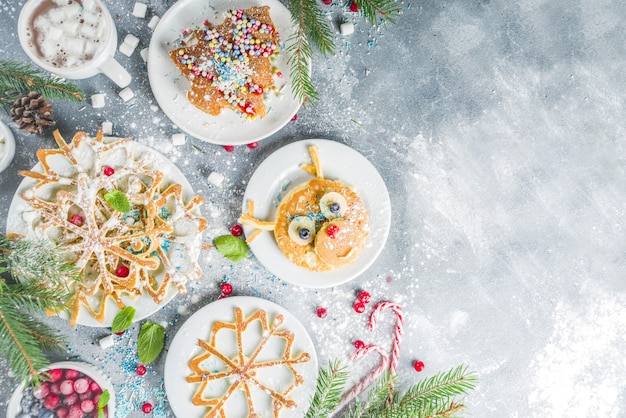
397, 334
369, 379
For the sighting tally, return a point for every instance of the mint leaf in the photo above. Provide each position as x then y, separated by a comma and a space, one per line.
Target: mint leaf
102, 402
150, 342
233, 248
123, 319
117, 200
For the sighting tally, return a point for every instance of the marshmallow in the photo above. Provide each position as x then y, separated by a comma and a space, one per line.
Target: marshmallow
126, 94
106, 342
140, 10
107, 127
154, 22
97, 101
347, 28
144, 54
178, 139
215, 179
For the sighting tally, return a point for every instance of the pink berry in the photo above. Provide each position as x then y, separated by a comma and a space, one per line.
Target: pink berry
87, 405
359, 307
321, 312
81, 385
55, 388
236, 230
122, 271
62, 412
140, 370
42, 390
51, 401
364, 297
67, 387
253, 145
332, 231
71, 399
94, 387
108, 171
226, 288
146, 408
55, 375
418, 366
358, 344
229, 148
353, 7
75, 412
77, 220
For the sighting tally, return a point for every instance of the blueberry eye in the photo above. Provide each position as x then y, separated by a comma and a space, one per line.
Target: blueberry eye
334, 207
304, 233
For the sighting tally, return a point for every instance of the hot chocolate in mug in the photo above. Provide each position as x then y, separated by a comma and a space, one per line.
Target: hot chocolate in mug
73, 39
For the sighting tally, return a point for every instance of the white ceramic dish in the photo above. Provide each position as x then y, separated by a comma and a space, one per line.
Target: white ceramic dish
170, 86
7, 154
281, 171
144, 305
14, 402
184, 347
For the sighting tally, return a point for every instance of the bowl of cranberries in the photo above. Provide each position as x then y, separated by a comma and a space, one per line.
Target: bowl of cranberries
70, 389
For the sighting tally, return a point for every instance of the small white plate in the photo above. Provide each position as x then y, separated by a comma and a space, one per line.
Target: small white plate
170, 86
6, 156
281, 171
103, 381
144, 304
184, 347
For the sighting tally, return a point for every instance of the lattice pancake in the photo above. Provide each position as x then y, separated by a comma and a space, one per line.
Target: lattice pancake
223, 371
320, 225
229, 65
147, 250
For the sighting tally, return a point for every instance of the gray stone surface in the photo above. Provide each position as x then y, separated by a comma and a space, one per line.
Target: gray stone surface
499, 129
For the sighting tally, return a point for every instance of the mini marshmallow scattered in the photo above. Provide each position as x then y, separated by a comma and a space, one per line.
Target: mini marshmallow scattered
128, 46
179, 139
107, 342
97, 101
347, 28
215, 179
107, 127
126, 94
144, 54
140, 10
154, 22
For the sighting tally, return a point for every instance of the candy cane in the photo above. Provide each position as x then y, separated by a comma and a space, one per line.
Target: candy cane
398, 331
369, 379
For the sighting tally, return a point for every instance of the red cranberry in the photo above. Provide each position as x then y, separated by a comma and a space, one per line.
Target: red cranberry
108, 171
321, 312
226, 288
359, 307
253, 145
146, 408
364, 297
236, 230
140, 370
51, 401
418, 366
229, 148
358, 344
122, 271
353, 7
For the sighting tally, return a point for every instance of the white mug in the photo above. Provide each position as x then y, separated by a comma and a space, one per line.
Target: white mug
73, 39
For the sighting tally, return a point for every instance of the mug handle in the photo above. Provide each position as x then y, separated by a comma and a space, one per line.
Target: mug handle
114, 70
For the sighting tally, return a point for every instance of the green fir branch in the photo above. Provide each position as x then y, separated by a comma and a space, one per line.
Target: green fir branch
328, 391
373, 10
17, 79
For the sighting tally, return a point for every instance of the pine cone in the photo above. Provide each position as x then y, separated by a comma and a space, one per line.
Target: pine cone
32, 113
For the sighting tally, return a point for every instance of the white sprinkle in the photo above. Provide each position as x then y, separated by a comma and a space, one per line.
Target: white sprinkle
140, 10
107, 342
347, 28
179, 139
97, 101
107, 127
154, 22
215, 179
126, 94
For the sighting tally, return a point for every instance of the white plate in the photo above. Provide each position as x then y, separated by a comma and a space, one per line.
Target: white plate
9, 147
281, 171
144, 305
170, 86
184, 347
